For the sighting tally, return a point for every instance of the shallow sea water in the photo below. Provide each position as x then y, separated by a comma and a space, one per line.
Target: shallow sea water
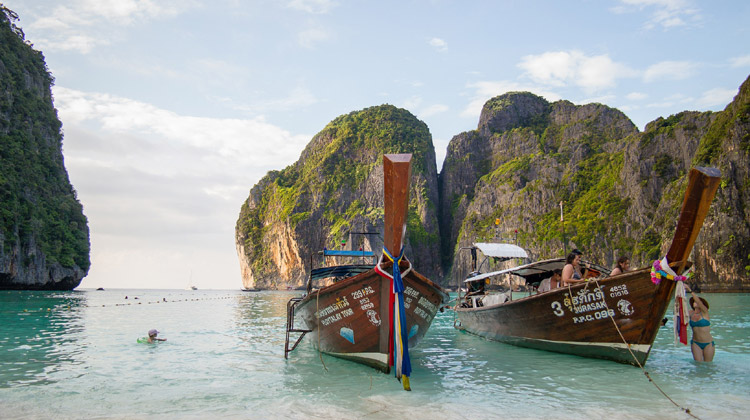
75, 355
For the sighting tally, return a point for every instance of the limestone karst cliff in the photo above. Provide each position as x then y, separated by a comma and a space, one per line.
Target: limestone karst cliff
334, 189
620, 188
44, 237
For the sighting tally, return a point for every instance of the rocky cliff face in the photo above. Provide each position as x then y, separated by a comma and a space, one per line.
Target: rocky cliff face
722, 252
621, 190
334, 191
44, 238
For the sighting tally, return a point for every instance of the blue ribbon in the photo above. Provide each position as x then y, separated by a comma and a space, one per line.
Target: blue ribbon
402, 340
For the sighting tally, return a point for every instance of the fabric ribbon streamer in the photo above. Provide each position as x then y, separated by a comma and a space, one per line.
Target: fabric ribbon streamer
661, 270
398, 339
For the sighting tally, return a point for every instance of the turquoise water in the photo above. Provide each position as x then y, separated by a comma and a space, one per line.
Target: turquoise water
74, 355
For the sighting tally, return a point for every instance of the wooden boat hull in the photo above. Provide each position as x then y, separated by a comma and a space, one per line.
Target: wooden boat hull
579, 320
351, 318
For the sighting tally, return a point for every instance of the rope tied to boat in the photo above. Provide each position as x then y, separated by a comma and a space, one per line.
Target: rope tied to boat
317, 311
645, 372
398, 339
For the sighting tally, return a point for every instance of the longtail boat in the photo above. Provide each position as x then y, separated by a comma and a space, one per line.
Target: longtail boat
615, 318
371, 314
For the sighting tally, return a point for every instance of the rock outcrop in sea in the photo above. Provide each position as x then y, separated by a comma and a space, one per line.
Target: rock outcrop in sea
44, 236
335, 191
621, 189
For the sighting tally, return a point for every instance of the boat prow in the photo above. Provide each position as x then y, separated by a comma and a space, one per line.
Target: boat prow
353, 318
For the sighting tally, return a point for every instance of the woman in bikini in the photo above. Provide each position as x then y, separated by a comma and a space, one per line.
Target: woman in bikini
702, 343
571, 272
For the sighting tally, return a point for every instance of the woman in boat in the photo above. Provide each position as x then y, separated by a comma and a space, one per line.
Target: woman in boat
702, 343
623, 265
571, 273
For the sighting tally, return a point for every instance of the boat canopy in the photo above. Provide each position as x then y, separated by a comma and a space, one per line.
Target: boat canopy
536, 271
332, 253
339, 271
499, 250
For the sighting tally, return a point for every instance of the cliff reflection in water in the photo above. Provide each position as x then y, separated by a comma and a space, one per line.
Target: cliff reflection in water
39, 334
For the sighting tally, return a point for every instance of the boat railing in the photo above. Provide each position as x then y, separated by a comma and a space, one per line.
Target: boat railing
290, 328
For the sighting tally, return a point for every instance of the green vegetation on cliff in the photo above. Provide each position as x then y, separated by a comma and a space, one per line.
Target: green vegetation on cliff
323, 186
38, 206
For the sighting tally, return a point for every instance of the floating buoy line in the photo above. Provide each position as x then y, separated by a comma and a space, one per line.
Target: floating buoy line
164, 300
136, 302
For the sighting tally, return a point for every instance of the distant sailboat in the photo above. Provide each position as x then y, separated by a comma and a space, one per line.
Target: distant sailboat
191, 286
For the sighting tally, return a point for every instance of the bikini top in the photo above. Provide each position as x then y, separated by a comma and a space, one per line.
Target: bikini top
703, 322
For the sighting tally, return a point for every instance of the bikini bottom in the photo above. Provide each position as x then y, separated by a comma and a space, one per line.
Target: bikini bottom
702, 345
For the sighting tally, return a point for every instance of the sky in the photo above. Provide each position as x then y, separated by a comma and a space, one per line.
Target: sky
173, 109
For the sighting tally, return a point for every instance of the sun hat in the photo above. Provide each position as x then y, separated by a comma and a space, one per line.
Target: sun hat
152, 332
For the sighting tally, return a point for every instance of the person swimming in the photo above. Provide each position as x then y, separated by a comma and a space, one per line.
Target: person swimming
151, 337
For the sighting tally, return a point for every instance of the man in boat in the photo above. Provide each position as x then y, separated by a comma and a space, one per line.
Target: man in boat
475, 290
551, 282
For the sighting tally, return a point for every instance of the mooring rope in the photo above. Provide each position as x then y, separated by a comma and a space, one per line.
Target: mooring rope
317, 316
650, 379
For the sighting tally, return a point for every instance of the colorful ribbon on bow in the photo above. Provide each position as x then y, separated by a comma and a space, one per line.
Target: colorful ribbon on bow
661, 270
398, 339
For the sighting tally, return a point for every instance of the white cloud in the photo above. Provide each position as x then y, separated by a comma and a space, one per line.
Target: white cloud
743, 61
485, 90
127, 11
565, 68
162, 191
80, 42
169, 144
433, 110
297, 97
312, 36
665, 13
636, 96
669, 70
411, 102
438, 44
312, 6
604, 99
717, 97
84, 25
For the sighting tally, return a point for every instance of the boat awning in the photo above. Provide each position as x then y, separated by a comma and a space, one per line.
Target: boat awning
332, 253
527, 270
338, 271
501, 250
536, 271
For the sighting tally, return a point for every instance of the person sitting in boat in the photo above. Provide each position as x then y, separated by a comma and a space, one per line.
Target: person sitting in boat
702, 343
474, 292
571, 273
623, 265
551, 282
